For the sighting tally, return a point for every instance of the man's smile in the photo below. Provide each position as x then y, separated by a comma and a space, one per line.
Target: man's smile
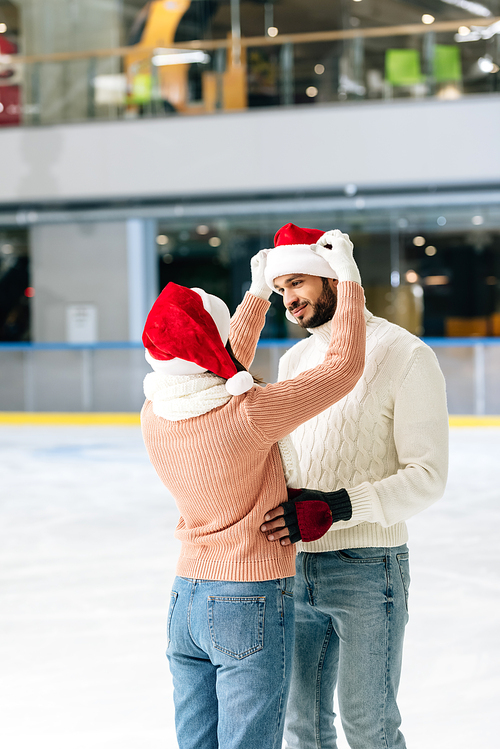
298, 309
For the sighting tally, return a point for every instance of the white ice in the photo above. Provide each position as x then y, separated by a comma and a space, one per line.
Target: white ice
87, 555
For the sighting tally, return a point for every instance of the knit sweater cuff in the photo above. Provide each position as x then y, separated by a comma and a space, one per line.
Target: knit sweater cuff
362, 497
255, 303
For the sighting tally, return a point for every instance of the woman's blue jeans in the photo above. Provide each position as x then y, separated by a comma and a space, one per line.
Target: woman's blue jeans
351, 609
230, 653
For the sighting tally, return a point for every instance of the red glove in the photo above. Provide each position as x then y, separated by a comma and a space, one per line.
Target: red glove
309, 513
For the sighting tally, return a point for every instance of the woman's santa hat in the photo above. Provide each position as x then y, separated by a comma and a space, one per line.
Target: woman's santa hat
185, 334
292, 254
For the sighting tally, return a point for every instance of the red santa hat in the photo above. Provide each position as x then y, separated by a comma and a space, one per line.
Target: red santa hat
292, 254
185, 334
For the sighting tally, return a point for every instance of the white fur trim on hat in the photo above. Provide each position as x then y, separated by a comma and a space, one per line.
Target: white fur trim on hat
295, 258
221, 316
239, 383
173, 366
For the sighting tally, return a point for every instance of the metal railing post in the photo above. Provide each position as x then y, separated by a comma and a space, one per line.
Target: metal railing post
91, 74
36, 98
286, 64
219, 66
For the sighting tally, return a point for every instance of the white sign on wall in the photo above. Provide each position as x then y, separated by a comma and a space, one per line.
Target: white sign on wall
81, 323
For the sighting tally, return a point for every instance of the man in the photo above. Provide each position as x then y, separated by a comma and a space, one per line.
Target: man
386, 443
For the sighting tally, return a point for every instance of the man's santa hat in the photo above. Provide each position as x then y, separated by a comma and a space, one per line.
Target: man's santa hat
292, 254
185, 334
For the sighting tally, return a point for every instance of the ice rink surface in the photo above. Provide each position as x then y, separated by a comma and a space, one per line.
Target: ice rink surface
87, 555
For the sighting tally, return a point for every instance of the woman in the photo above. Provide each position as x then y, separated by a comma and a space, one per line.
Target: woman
214, 444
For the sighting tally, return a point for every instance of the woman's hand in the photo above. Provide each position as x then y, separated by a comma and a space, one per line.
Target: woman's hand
259, 286
275, 522
337, 249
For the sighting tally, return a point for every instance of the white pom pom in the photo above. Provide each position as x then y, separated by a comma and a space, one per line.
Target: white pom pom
239, 383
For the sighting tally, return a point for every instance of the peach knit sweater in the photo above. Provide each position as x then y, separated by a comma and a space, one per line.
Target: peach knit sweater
224, 467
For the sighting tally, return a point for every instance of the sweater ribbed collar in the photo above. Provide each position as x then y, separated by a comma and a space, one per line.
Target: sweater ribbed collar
323, 333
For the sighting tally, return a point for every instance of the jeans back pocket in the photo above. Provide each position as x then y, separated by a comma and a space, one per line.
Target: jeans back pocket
236, 624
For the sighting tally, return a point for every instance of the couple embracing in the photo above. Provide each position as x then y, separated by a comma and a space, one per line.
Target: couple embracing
293, 575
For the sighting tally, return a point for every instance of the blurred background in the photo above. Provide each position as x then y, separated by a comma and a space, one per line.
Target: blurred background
168, 140
147, 142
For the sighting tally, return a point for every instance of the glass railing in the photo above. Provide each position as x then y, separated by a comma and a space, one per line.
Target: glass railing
446, 60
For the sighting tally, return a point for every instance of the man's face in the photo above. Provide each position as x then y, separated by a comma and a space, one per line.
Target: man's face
310, 299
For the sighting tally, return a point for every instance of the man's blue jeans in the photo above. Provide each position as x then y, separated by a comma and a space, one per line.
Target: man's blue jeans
351, 609
230, 653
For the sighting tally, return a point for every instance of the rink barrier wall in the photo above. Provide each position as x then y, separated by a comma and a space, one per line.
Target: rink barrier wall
106, 377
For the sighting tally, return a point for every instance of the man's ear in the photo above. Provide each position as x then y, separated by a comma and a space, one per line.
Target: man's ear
333, 282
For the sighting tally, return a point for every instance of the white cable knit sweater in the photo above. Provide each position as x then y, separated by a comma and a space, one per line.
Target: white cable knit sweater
386, 442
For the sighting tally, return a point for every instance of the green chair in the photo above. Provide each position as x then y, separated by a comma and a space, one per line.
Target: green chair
447, 66
142, 88
402, 67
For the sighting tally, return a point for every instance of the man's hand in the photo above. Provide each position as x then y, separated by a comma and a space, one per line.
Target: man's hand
307, 515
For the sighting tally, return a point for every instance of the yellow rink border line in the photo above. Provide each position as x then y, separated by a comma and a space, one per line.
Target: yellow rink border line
27, 418
475, 421
21, 418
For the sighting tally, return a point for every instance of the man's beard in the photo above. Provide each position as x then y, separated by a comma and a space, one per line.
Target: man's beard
324, 309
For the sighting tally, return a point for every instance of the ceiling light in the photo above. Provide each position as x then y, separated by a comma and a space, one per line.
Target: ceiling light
430, 250
311, 92
162, 239
477, 220
427, 18
486, 65
178, 57
411, 276
7, 249
202, 229
350, 189
419, 241
441, 221
215, 241
436, 280
475, 8
272, 31
449, 92
319, 69
3, 28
